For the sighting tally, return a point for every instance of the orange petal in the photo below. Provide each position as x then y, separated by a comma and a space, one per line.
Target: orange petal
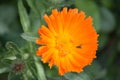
41, 50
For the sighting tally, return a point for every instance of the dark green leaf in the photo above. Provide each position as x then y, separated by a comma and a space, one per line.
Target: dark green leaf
118, 47
103, 38
35, 22
31, 3
107, 3
13, 76
108, 20
23, 17
95, 71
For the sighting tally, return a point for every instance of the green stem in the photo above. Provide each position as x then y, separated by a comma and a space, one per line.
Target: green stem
31, 48
39, 67
40, 70
24, 76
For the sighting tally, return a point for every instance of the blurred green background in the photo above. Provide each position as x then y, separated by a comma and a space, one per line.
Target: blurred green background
106, 18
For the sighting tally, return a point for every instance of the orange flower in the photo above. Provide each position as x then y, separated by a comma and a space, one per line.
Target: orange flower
69, 41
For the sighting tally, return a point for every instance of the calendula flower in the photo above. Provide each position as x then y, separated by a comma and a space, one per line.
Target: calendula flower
69, 41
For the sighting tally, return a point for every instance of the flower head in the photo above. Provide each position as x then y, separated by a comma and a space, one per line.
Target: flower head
69, 41
18, 66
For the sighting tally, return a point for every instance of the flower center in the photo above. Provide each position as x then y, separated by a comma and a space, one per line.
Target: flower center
63, 45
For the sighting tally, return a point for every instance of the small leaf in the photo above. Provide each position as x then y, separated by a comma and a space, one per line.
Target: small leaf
41, 7
8, 14
10, 57
118, 46
13, 76
3, 28
23, 17
95, 71
108, 20
29, 37
56, 1
3, 70
31, 3
4, 66
53, 72
118, 31
75, 76
13, 51
11, 45
107, 3
103, 38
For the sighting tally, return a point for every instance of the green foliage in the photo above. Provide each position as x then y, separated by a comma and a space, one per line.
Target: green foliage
107, 3
29, 37
95, 71
74, 76
103, 39
40, 70
108, 20
3, 68
13, 76
23, 17
118, 46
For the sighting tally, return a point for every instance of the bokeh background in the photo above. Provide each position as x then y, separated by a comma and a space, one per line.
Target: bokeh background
106, 17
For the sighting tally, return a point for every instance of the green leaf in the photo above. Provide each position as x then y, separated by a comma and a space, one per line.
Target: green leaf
107, 3
95, 71
56, 1
8, 13
118, 31
103, 38
9, 57
91, 9
35, 22
11, 46
53, 72
40, 70
108, 20
75, 76
24, 18
118, 46
3, 70
13, 51
3, 28
4, 67
29, 37
31, 3
13, 76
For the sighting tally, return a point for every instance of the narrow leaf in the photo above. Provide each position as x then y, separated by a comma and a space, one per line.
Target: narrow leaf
23, 17
108, 20
32, 5
40, 70
29, 37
